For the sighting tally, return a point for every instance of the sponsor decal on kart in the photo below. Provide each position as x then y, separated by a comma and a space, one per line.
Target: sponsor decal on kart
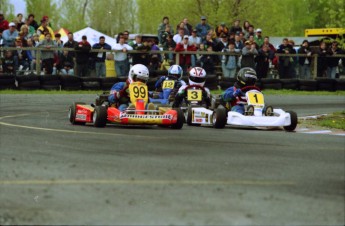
80, 116
125, 115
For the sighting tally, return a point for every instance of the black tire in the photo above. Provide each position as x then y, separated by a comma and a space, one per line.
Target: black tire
250, 110
307, 85
326, 84
189, 116
292, 84
340, 85
100, 116
180, 119
219, 118
72, 113
294, 121
269, 111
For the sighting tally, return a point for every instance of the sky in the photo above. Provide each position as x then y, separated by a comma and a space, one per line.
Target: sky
19, 6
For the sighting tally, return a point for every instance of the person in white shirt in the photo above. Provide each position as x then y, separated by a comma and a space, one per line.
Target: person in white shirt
194, 39
121, 62
178, 38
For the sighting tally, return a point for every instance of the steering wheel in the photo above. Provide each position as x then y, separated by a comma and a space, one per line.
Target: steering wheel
247, 88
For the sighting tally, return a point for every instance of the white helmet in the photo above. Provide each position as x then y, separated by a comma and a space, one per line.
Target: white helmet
197, 76
138, 72
175, 72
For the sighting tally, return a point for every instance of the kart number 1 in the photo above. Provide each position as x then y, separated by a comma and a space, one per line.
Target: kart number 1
256, 98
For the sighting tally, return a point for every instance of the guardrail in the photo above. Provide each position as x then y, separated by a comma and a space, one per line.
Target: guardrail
177, 54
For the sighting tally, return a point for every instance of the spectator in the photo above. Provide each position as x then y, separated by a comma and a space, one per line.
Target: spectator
70, 44
178, 38
188, 26
161, 28
31, 54
194, 39
209, 41
47, 56
82, 56
25, 32
166, 33
35, 40
121, 57
285, 62
67, 63
46, 18
294, 65
169, 45
267, 42
259, 40
250, 32
155, 58
100, 56
333, 62
185, 59
19, 21
32, 22
321, 60
222, 29
236, 27
229, 62
42, 29
181, 25
3, 23
144, 57
10, 35
249, 53
202, 28
223, 43
304, 62
238, 42
8, 64
20, 56
245, 28
265, 56
208, 61
126, 36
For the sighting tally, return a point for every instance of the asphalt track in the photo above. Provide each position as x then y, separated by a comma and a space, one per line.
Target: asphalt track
52, 172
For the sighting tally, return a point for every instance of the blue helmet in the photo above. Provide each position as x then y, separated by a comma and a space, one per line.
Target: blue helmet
175, 72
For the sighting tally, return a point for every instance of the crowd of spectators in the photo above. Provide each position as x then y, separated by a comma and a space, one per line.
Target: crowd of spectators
246, 45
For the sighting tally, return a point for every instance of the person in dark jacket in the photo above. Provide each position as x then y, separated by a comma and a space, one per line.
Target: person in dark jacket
70, 44
321, 60
285, 62
82, 56
304, 62
333, 62
265, 56
99, 57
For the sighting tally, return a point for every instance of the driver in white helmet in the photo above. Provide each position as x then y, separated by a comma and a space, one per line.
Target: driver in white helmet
119, 93
196, 78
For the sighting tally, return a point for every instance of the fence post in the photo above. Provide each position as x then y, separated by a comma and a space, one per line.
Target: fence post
315, 66
177, 57
38, 59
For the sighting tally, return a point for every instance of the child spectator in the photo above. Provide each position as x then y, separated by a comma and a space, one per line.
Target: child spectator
8, 64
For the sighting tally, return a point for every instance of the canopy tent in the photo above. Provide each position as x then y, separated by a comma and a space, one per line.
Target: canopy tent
62, 31
92, 36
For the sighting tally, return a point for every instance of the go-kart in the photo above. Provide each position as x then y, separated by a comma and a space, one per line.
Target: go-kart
257, 114
197, 111
166, 96
102, 113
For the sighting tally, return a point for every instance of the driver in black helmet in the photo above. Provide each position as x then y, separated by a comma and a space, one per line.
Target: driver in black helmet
234, 95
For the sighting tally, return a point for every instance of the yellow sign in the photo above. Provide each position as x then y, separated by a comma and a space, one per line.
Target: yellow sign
168, 84
138, 91
194, 95
255, 98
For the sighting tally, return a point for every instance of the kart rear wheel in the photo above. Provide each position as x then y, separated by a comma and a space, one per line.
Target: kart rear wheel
250, 110
180, 119
72, 113
269, 111
294, 121
100, 116
219, 118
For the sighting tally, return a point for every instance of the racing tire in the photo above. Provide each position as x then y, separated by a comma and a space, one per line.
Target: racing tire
269, 111
219, 118
294, 121
99, 116
250, 110
180, 119
72, 113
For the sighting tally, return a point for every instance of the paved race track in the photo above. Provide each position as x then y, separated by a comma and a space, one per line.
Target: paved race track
54, 173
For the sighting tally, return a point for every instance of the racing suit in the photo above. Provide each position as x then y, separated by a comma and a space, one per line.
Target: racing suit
178, 83
182, 94
119, 95
235, 97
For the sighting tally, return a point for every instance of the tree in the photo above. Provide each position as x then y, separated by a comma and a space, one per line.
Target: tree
8, 9
44, 8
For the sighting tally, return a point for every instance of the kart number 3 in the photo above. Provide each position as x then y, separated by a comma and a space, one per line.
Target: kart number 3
194, 95
168, 84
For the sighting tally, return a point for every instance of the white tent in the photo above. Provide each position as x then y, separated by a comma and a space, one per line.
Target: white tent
92, 36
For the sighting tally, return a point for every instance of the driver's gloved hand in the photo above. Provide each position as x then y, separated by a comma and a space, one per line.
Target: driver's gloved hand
238, 92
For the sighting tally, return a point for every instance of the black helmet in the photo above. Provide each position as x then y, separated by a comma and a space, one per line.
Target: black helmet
246, 77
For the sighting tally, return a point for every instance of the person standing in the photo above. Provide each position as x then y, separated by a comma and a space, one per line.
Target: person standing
9, 36
82, 56
3, 23
202, 28
121, 57
47, 56
333, 62
304, 62
249, 53
100, 56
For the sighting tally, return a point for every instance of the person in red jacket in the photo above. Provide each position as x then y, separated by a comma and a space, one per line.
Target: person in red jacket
185, 59
3, 23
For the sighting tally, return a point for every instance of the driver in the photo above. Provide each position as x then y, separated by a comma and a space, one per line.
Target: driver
234, 95
196, 78
119, 93
175, 72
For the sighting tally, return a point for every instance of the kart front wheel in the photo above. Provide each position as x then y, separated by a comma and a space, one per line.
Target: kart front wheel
180, 119
250, 110
219, 118
72, 111
269, 111
100, 116
294, 121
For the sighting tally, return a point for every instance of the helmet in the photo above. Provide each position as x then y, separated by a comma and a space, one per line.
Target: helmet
139, 73
197, 76
246, 77
175, 72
